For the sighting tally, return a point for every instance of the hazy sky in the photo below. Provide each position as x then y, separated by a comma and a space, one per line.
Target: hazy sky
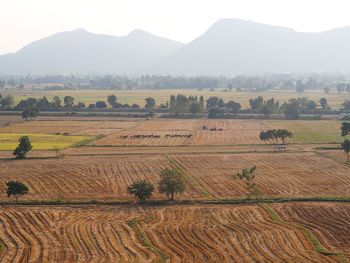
22, 21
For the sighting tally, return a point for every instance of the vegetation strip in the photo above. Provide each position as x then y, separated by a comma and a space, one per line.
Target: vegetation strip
338, 160
194, 183
162, 256
308, 233
88, 140
181, 201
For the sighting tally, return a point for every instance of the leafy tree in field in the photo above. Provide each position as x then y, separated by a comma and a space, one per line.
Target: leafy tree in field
248, 176
141, 189
150, 103
16, 189
101, 104
171, 182
275, 135
30, 113
56, 102
323, 103
283, 135
7, 101
68, 101
311, 105
345, 128
291, 110
346, 147
112, 100
23, 148
257, 103
234, 106
212, 102
195, 108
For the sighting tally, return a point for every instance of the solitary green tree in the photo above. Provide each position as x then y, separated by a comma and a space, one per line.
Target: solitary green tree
30, 113
171, 182
112, 100
248, 176
150, 103
346, 147
68, 101
283, 134
23, 148
141, 189
16, 189
345, 128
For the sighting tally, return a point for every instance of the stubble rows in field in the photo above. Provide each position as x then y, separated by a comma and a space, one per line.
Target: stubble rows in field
218, 132
72, 127
83, 177
171, 234
287, 174
330, 223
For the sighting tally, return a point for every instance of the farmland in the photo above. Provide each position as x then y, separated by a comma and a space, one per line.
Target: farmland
94, 219
9, 141
106, 178
220, 132
194, 233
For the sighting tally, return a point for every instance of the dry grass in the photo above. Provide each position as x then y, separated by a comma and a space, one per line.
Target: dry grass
288, 175
328, 222
175, 234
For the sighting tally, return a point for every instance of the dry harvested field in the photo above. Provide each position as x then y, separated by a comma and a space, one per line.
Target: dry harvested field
72, 127
89, 150
228, 132
8, 119
287, 174
329, 222
219, 233
122, 131
206, 175
83, 177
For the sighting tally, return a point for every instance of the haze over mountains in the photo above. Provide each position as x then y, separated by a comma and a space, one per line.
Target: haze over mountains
230, 46
79, 51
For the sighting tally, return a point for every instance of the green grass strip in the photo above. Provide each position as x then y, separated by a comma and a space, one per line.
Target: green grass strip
88, 140
162, 256
308, 233
189, 178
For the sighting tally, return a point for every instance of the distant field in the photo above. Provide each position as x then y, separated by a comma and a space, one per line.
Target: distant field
71, 127
138, 96
233, 132
311, 131
9, 141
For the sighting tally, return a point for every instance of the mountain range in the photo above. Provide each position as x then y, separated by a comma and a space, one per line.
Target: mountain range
229, 47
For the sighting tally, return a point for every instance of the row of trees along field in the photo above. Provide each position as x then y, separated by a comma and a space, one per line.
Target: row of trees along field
299, 83
179, 104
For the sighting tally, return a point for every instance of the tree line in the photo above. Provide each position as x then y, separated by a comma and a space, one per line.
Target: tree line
258, 83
